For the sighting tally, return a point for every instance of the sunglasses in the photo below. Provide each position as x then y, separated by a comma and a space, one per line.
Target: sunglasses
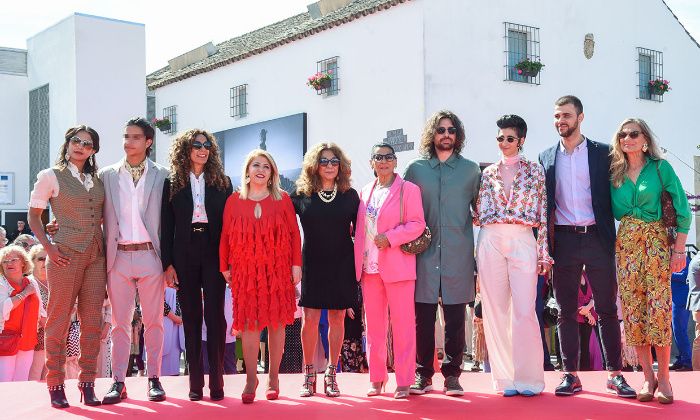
509, 139
389, 157
331, 162
87, 144
198, 145
450, 130
632, 134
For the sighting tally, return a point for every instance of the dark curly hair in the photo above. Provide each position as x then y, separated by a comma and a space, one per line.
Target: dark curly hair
427, 144
181, 165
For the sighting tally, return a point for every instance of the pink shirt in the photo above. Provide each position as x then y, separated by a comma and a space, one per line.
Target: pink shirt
573, 202
508, 166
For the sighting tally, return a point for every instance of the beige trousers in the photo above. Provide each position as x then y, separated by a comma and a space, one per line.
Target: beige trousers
132, 271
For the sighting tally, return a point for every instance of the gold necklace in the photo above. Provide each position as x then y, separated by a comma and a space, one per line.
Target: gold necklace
327, 197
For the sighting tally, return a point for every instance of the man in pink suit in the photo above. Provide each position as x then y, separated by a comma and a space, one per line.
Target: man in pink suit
387, 274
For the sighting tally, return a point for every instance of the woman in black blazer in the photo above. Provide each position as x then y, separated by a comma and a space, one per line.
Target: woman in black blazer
193, 206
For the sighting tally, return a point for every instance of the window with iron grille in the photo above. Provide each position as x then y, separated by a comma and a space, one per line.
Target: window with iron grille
329, 65
171, 114
239, 101
521, 43
651, 67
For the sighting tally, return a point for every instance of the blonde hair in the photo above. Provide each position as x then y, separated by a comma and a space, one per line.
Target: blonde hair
16, 249
618, 161
309, 181
36, 249
273, 184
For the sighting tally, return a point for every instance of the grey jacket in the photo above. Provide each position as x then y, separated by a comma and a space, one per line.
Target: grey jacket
448, 190
150, 214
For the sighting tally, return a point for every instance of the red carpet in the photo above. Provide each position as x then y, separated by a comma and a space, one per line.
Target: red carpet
29, 400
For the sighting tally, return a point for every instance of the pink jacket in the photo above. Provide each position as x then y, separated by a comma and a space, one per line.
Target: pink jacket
394, 264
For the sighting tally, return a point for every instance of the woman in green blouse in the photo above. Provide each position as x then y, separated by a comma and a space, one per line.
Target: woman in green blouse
645, 258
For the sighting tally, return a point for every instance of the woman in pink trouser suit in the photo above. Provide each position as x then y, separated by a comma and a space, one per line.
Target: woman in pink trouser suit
388, 274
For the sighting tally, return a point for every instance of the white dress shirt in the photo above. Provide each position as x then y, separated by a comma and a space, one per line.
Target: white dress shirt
46, 186
131, 200
572, 196
199, 213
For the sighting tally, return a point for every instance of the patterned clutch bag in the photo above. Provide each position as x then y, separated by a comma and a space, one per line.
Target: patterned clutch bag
419, 244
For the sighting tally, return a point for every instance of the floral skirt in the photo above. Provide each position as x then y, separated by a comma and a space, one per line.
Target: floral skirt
643, 257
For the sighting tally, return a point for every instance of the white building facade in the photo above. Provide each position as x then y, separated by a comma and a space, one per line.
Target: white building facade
399, 61
83, 70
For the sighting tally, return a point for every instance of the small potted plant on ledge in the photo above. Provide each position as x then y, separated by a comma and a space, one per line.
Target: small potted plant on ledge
528, 68
162, 124
659, 86
321, 80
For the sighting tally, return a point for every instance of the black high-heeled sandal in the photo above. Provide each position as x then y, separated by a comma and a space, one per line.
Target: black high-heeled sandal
308, 389
58, 396
330, 385
87, 392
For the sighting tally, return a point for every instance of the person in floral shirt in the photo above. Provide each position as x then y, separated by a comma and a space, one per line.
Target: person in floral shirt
512, 201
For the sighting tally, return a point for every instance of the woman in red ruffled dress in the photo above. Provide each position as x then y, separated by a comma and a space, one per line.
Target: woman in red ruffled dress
260, 257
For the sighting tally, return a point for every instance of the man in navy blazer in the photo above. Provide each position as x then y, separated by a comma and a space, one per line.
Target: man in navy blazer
582, 233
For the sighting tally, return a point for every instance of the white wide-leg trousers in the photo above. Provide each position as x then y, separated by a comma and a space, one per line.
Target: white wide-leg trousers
507, 264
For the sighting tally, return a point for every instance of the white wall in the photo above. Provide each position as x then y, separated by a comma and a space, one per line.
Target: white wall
51, 60
110, 87
95, 69
381, 73
400, 65
464, 70
14, 119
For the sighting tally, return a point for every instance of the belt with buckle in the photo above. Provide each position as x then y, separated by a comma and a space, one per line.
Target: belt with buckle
199, 227
575, 229
145, 246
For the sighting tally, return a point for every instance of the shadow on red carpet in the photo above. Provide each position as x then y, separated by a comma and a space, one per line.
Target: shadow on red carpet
30, 400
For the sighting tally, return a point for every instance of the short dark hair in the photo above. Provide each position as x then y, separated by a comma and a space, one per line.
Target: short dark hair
515, 122
570, 99
148, 131
379, 145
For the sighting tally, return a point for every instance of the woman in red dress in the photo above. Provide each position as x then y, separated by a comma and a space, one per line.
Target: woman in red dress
260, 257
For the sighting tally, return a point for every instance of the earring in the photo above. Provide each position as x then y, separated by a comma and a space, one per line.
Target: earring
92, 160
67, 156
645, 147
269, 182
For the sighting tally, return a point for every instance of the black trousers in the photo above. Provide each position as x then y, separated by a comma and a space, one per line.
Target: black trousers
200, 275
425, 339
573, 251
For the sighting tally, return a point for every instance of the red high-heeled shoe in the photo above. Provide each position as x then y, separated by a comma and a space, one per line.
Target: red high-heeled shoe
272, 393
248, 398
